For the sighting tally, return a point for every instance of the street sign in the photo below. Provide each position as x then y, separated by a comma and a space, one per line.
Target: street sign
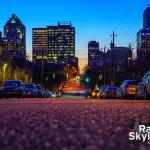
96, 87
54, 75
100, 77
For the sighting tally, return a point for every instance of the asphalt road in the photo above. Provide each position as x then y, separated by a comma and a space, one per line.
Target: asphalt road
66, 124
74, 86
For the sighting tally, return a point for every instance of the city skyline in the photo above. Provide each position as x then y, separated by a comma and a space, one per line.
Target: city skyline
91, 23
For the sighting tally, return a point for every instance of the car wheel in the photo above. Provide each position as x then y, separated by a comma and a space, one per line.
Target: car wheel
20, 96
123, 96
146, 96
136, 97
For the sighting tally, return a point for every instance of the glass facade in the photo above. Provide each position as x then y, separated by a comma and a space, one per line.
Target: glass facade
15, 37
146, 18
143, 36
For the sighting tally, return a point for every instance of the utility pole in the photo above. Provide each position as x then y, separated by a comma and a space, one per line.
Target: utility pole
113, 40
42, 71
104, 65
112, 53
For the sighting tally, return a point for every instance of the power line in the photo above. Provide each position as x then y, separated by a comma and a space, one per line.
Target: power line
129, 26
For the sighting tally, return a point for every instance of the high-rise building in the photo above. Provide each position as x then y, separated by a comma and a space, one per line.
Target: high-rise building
1, 44
15, 37
54, 44
0, 35
143, 41
93, 53
146, 17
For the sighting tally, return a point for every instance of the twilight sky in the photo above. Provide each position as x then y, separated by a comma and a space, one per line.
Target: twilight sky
93, 19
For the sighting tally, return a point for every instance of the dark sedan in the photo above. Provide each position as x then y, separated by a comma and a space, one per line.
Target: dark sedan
127, 89
88, 94
102, 90
30, 90
110, 92
13, 88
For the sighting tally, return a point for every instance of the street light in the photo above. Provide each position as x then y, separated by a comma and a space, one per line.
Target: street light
4, 70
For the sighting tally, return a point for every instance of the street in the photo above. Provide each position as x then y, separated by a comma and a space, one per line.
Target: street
74, 86
70, 124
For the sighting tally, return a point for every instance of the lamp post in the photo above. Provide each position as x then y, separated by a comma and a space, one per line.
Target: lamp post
4, 70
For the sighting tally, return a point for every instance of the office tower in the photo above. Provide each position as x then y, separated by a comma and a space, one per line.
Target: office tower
15, 37
93, 53
54, 44
143, 42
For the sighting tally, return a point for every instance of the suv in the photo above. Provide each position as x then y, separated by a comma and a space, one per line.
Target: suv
143, 88
13, 88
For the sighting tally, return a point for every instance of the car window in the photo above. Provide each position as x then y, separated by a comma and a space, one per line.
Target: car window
38, 87
29, 86
133, 82
12, 83
146, 75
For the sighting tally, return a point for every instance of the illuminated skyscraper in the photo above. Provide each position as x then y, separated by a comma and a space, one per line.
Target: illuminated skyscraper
143, 42
143, 36
54, 44
93, 53
15, 37
146, 17
0, 34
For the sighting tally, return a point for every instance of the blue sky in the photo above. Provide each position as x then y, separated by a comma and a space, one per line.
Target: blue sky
93, 19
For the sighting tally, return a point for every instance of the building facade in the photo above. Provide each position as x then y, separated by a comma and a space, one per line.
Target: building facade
146, 17
118, 62
93, 53
15, 37
0, 35
143, 42
54, 44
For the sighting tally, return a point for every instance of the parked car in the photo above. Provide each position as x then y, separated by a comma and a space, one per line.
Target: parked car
54, 94
127, 89
88, 94
79, 93
61, 91
40, 91
110, 92
1, 93
143, 88
47, 93
31, 90
95, 94
101, 91
13, 88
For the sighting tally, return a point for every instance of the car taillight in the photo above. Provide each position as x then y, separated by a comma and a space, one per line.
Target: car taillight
16, 89
131, 88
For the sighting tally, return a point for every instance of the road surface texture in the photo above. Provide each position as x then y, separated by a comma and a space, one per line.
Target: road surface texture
65, 124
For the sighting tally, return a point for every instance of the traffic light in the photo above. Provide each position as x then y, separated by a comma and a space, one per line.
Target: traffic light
87, 80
